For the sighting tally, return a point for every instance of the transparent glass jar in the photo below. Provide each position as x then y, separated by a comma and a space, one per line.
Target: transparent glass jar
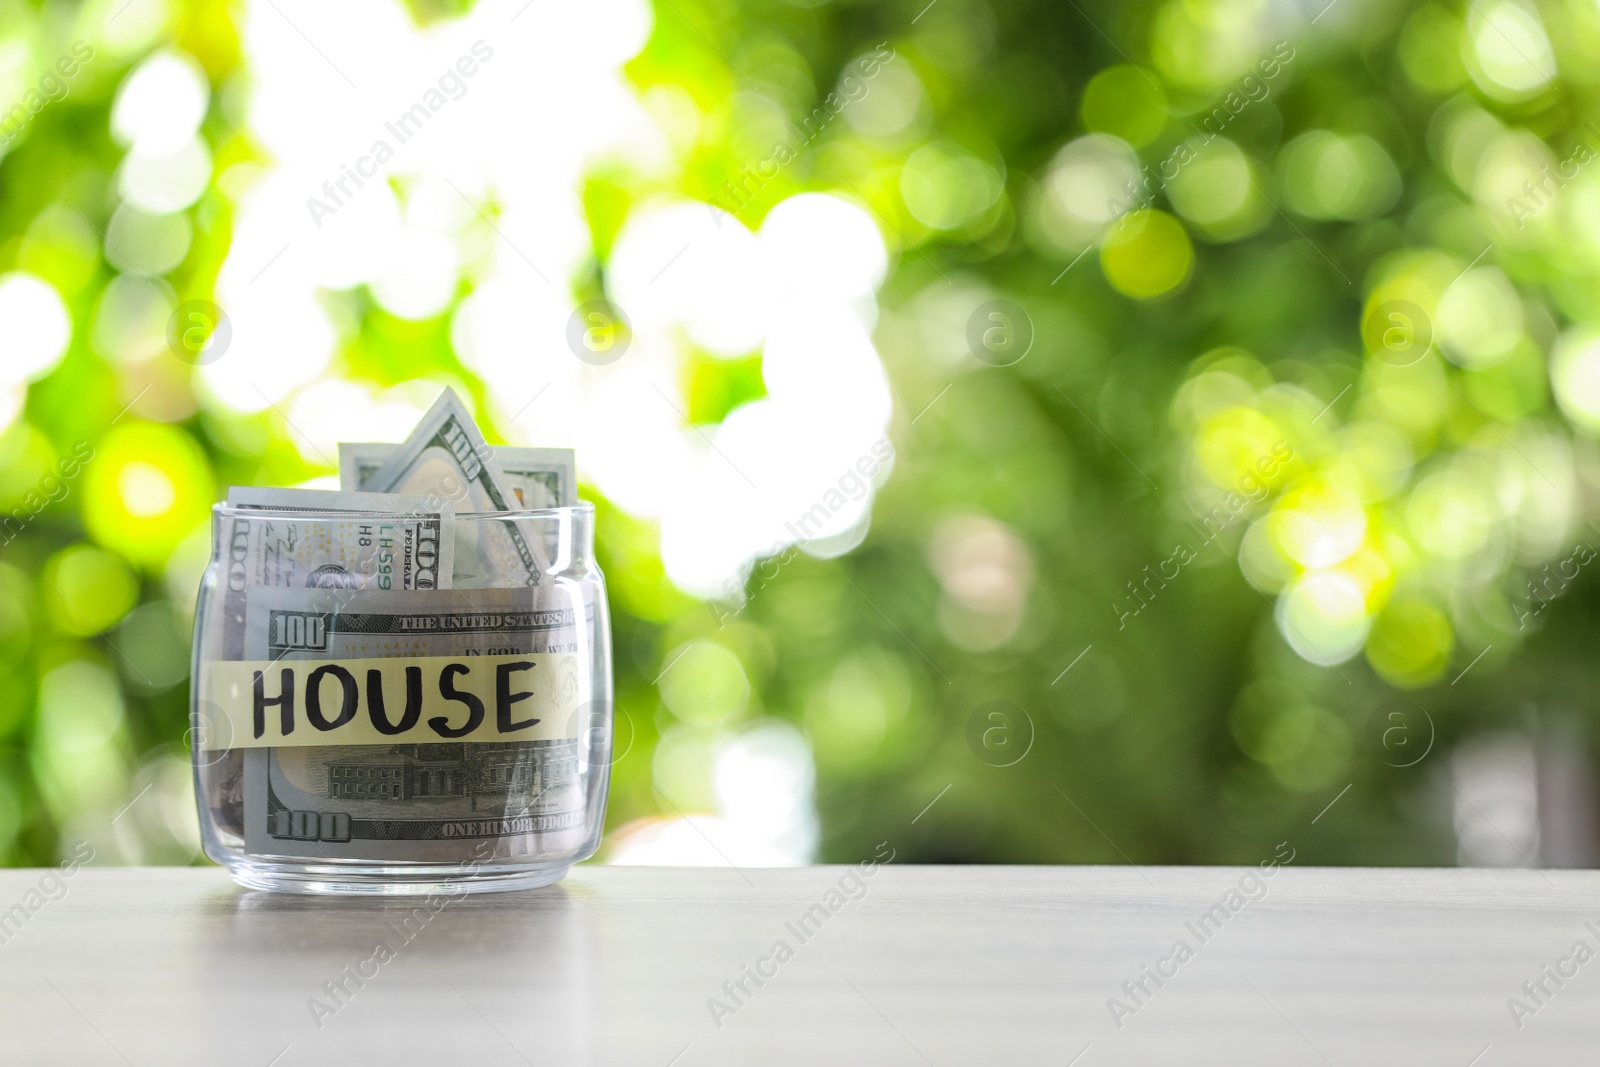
384, 704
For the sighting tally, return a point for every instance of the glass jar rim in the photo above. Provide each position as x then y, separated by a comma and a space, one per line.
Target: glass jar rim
583, 507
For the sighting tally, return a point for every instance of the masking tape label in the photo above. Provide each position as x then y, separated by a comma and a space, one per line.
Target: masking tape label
531, 696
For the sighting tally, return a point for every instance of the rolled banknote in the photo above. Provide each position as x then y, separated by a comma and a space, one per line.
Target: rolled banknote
359, 541
446, 455
540, 477
459, 712
371, 541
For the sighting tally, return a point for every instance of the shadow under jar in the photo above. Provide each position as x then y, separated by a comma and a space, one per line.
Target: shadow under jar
384, 704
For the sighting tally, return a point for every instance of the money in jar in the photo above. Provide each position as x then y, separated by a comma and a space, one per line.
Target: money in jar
398, 690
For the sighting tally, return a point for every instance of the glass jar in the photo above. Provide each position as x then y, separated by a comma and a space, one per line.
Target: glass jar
384, 703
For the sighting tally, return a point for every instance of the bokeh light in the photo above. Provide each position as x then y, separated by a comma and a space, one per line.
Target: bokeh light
148, 486
38, 327
1148, 254
1307, 418
1125, 102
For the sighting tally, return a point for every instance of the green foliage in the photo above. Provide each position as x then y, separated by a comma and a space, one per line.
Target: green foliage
1367, 239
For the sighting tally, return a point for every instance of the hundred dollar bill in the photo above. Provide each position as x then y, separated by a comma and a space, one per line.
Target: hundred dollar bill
370, 541
447, 455
410, 801
540, 477
359, 460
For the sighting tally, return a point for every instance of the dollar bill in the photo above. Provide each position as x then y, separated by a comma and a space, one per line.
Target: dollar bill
370, 541
540, 477
423, 802
447, 455
360, 460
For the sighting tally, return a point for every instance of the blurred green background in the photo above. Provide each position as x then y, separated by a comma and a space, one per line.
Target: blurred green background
1238, 358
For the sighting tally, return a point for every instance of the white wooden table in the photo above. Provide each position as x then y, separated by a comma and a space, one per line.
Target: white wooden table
932, 965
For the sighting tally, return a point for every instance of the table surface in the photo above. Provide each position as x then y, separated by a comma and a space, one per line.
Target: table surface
914, 965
